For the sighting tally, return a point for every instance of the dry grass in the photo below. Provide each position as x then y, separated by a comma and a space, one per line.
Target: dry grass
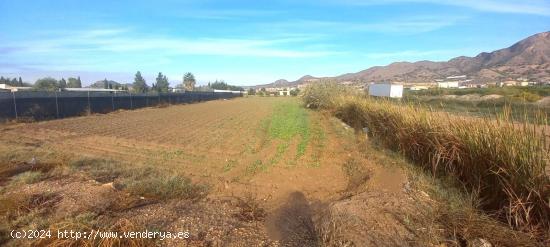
87, 223
501, 161
141, 180
23, 172
21, 210
250, 209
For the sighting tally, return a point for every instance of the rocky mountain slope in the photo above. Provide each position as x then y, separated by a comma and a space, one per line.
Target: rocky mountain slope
528, 58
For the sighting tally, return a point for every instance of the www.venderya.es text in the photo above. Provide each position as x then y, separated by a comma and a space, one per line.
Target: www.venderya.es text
94, 234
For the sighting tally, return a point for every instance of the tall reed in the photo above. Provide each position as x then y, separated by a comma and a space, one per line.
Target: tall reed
502, 161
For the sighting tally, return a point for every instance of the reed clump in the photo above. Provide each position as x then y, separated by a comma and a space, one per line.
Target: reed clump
502, 161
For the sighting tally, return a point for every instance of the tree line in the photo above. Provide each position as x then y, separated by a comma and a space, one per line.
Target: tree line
221, 85
51, 84
12, 82
161, 84
139, 84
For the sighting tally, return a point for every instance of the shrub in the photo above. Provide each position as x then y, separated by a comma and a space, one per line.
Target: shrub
141, 180
324, 94
529, 97
165, 187
29, 177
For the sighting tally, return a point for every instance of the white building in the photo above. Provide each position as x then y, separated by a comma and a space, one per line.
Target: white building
226, 91
6, 87
418, 88
453, 81
447, 84
91, 89
386, 90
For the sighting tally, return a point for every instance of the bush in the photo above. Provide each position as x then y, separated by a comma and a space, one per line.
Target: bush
324, 94
29, 177
165, 187
141, 180
501, 161
529, 97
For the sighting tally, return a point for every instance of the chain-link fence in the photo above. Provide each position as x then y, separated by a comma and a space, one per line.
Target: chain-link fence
51, 105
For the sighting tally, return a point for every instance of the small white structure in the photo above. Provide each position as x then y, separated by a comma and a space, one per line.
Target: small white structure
177, 90
453, 81
226, 91
6, 87
448, 84
524, 83
418, 88
91, 89
386, 90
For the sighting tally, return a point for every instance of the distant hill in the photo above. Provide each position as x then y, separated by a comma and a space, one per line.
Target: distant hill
528, 58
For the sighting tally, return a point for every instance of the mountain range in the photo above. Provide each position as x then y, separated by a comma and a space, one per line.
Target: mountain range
528, 58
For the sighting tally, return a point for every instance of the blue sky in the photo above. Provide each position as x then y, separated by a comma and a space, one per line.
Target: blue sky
250, 42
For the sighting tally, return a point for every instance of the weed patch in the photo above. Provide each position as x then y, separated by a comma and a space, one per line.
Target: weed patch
164, 187
291, 122
229, 165
250, 209
28, 177
256, 167
141, 180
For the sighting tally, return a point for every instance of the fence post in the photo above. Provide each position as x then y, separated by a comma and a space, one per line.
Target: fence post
131, 103
89, 105
14, 105
113, 100
146, 100
56, 106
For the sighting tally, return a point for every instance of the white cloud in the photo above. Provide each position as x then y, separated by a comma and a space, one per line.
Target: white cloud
226, 14
535, 7
410, 25
123, 41
409, 54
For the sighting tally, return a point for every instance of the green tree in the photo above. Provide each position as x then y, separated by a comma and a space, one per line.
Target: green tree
73, 83
189, 81
140, 86
251, 91
221, 85
106, 84
78, 83
162, 84
62, 83
46, 84
20, 82
294, 92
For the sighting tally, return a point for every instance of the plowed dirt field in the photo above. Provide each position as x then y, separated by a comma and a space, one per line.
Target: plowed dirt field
265, 146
